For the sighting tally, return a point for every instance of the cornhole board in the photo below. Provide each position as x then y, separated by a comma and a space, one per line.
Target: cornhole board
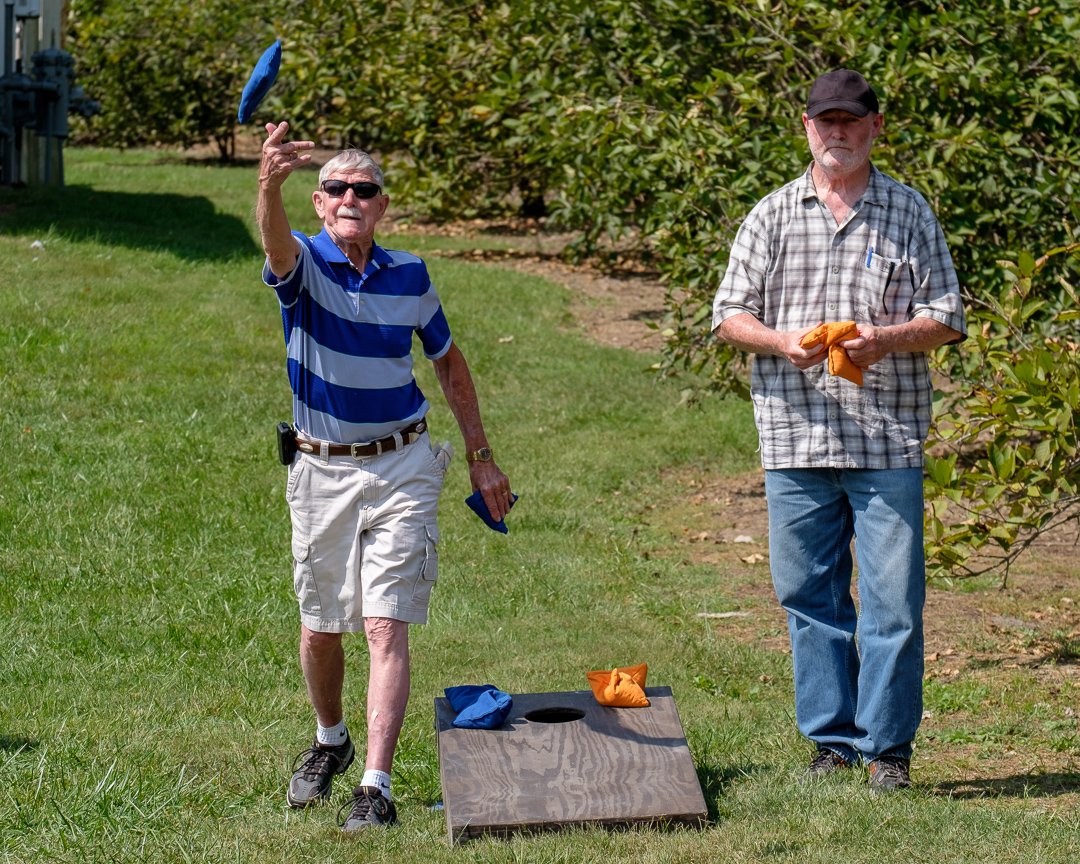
562, 759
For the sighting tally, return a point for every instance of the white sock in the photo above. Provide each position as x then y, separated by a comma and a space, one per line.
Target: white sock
332, 736
378, 779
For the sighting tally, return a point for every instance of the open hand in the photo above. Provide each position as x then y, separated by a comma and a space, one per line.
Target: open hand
281, 158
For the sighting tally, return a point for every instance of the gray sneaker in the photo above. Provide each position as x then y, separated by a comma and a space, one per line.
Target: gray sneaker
369, 807
888, 773
314, 770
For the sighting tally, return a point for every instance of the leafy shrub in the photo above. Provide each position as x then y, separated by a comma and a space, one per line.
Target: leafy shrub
1008, 466
165, 72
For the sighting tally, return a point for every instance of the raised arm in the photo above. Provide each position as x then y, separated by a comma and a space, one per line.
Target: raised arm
279, 160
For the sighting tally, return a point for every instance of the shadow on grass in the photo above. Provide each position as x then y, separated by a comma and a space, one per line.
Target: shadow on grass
715, 781
16, 743
186, 225
1015, 786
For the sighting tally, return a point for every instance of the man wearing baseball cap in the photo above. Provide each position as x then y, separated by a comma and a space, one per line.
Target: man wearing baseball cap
838, 284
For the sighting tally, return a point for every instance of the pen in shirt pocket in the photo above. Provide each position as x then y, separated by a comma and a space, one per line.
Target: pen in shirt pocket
869, 256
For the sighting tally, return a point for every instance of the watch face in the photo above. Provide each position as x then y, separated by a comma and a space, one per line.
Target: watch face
482, 455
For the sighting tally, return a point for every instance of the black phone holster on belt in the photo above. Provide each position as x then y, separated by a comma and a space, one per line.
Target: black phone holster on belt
286, 443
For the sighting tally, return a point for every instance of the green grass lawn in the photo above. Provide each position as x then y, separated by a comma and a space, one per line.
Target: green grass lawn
151, 698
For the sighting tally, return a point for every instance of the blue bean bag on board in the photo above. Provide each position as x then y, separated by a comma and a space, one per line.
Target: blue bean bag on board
478, 706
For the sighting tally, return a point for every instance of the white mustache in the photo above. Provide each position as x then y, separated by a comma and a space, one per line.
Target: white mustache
349, 211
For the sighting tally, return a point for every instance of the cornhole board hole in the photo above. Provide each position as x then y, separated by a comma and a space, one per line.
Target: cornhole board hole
562, 759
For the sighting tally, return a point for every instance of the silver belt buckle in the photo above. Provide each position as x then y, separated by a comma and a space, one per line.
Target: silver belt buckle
354, 448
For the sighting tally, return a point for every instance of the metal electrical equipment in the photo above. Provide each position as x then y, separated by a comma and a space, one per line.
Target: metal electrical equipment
39, 102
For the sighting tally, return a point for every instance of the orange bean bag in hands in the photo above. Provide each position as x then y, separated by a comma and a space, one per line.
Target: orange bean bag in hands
620, 688
830, 335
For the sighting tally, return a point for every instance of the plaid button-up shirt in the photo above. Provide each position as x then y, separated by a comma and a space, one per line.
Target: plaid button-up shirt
792, 267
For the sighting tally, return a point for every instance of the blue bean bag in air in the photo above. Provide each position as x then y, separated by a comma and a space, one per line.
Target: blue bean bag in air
258, 85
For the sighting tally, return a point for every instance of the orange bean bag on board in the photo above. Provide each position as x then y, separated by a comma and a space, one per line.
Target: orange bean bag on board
620, 688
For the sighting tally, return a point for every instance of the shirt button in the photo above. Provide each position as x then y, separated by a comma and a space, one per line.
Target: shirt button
832, 307
835, 269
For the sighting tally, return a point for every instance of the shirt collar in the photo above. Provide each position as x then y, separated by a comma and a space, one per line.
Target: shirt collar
330, 252
806, 184
876, 191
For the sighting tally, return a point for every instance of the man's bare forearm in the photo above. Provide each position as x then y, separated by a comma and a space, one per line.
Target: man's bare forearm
275, 230
279, 160
460, 392
746, 333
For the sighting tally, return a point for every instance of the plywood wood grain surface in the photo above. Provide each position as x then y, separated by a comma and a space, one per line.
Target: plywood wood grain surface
610, 766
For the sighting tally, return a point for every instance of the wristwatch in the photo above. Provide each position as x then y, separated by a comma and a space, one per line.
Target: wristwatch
481, 455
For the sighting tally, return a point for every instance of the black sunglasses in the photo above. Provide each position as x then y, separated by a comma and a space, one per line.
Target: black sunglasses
338, 188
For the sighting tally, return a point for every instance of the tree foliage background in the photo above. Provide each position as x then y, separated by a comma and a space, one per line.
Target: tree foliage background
652, 126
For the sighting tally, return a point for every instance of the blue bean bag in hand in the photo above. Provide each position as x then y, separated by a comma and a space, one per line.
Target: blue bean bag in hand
478, 706
477, 505
258, 85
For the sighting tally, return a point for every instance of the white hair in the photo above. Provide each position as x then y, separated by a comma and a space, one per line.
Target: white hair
353, 159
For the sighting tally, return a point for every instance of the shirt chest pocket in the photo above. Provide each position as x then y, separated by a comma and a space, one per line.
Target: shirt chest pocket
886, 289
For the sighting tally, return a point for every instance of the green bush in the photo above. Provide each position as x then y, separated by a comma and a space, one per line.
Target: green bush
1008, 467
165, 72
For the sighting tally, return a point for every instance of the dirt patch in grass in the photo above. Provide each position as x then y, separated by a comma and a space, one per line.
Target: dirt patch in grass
614, 306
614, 311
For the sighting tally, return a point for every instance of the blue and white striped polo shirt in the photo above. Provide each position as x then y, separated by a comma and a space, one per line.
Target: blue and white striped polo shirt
348, 339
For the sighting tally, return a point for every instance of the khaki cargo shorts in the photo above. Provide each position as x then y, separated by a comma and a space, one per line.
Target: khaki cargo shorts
365, 536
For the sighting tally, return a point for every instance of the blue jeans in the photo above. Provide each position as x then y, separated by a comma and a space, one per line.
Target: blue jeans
858, 674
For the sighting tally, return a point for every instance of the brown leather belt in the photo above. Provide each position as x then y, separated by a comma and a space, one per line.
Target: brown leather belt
373, 448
